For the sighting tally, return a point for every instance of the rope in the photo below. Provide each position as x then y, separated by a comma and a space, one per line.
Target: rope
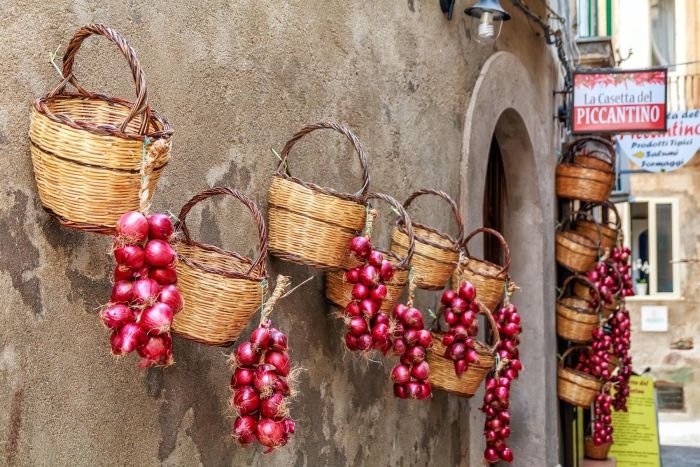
282, 283
370, 215
144, 204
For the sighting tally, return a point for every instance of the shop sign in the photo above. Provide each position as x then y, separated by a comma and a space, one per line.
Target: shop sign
664, 152
654, 319
619, 101
636, 432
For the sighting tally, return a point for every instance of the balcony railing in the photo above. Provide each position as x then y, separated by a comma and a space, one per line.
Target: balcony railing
683, 92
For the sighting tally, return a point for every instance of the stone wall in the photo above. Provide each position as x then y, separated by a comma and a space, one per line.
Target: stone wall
234, 79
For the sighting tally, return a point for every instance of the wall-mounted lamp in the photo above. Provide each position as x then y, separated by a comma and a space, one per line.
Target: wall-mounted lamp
487, 19
447, 6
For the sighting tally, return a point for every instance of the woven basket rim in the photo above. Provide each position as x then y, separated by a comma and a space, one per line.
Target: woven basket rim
501, 269
584, 311
320, 189
253, 276
453, 249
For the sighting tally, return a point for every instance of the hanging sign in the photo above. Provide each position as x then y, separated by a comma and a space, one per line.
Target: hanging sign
619, 101
636, 432
667, 151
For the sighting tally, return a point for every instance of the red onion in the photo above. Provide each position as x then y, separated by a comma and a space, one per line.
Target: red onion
399, 391
360, 247
247, 355
380, 333
289, 425
380, 318
460, 366
415, 354
357, 326
160, 226
351, 342
157, 319
360, 291
507, 455
280, 360
260, 338
448, 339
451, 317
155, 348
376, 258
420, 371
146, 291
242, 377
467, 291
368, 307
353, 275
504, 433
411, 336
116, 343
456, 351
265, 382
467, 318
171, 297
273, 407
269, 432
501, 393
243, 428
130, 257
378, 292
121, 292
491, 456
364, 342
425, 340
369, 275
511, 330
123, 274
159, 253
352, 309
278, 340
116, 316
282, 386
400, 374
131, 336
447, 297
164, 276
472, 357
132, 227
387, 271
426, 391
413, 389
246, 400
504, 416
400, 348
458, 305
412, 318
399, 310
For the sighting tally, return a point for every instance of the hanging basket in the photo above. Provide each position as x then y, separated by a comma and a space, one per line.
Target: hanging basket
437, 254
574, 251
221, 289
488, 278
576, 321
91, 151
592, 451
311, 225
442, 370
588, 176
574, 386
609, 230
339, 291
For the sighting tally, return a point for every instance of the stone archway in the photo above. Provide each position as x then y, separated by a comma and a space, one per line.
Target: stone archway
505, 103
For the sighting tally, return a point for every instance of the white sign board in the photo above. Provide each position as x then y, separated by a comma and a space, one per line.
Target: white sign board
664, 152
654, 319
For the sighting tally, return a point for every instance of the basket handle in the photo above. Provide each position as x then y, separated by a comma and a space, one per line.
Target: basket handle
494, 332
584, 278
406, 221
569, 350
283, 168
500, 238
569, 148
140, 105
262, 231
608, 205
587, 216
450, 201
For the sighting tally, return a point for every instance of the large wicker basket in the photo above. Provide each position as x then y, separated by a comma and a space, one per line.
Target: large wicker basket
609, 230
442, 370
488, 278
576, 321
339, 291
437, 254
586, 176
592, 451
311, 225
574, 251
91, 152
221, 289
576, 387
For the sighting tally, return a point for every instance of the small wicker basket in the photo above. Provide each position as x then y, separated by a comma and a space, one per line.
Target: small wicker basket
91, 151
437, 254
339, 291
576, 387
574, 251
311, 225
488, 278
583, 291
609, 231
592, 451
589, 176
575, 319
442, 370
221, 289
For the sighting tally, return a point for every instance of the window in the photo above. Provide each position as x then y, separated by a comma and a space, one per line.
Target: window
663, 33
670, 396
650, 227
594, 18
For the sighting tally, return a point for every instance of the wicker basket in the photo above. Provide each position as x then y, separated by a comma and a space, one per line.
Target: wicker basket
91, 151
488, 278
311, 225
437, 254
575, 319
574, 251
583, 291
221, 289
589, 177
609, 231
340, 292
592, 451
576, 387
442, 370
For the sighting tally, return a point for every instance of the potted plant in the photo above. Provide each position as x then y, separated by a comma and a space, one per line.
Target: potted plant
642, 285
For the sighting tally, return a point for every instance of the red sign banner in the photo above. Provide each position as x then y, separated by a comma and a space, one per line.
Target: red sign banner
619, 102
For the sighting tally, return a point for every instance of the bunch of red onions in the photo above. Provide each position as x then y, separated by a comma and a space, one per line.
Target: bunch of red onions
460, 314
620, 325
607, 281
496, 398
602, 420
368, 328
596, 361
412, 341
621, 257
260, 389
144, 297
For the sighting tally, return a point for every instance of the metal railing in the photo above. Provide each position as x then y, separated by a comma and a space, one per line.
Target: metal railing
683, 92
